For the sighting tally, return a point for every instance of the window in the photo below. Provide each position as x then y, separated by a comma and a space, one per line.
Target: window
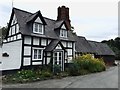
57, 57
38, 28
63, 33
37, 54
13, 29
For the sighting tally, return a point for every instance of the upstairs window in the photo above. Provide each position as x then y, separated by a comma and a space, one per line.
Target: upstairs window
63, 33
38, 28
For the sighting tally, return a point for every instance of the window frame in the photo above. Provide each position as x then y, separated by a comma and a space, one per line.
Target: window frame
64, 33
33, 59
38, 29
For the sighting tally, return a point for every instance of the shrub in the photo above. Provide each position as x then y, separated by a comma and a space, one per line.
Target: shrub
56, 69
46, 74
25, 74
73, 69
83, 72
87, 62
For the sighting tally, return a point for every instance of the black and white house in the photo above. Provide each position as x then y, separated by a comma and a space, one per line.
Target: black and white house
34, 40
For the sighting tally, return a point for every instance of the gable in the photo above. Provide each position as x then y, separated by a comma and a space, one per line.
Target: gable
13, 26
63, 26
38, 20
58, 47
25, 20
14, 20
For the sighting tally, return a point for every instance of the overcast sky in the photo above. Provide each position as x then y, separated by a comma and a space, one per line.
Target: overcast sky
95, 19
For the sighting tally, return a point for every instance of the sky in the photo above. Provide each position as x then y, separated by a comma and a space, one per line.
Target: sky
96, 20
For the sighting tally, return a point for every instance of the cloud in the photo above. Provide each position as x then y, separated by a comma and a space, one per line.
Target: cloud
94, 20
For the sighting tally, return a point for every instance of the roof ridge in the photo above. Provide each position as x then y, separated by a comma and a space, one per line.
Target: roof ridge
81, 36
22, 10
49, 18
93, 41
32, 13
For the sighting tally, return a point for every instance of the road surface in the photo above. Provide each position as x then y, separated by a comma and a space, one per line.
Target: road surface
106, 79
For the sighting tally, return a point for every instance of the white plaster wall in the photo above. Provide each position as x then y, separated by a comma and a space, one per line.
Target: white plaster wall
48, 54
27, 40
36, 63
63, 26
69, 44
69, 51
14, 59
27, 50
64, 43
58, 47
35, 41
69, 59
26, 61
19, 36
38, 20
48, 60
43, 42
49, 41
14, 19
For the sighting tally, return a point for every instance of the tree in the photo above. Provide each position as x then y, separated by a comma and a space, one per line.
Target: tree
114, 45
3, 31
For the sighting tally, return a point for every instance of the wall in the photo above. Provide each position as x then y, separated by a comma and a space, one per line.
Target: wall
29, 44
70, 50
108, 59
14, 51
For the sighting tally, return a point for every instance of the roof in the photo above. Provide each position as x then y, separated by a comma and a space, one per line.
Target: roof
53, 44
101, 48
26, 28
82, 45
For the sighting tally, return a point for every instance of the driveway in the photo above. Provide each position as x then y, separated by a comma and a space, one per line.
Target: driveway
106, 79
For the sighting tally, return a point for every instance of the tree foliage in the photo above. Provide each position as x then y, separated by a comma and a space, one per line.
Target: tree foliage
3, 31
114, 44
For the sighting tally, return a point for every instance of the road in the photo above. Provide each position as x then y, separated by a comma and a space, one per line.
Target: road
106, 79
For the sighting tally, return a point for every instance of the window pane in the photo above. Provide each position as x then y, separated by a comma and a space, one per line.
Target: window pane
65, 33
36, 27
13, 30
39, 54
17, 28
40, 28
35, 53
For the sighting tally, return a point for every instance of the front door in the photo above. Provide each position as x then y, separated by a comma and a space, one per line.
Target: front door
58, 59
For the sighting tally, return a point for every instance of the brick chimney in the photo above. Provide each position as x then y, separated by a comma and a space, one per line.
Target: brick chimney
63, 14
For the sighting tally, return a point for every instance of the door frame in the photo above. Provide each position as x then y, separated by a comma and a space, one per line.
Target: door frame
62, 59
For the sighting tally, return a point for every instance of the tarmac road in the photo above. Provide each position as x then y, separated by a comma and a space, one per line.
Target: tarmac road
106, 79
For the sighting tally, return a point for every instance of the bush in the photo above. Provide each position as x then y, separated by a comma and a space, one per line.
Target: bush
46, 74
56, 69
73, 69
83, 72
26, 74
85, 64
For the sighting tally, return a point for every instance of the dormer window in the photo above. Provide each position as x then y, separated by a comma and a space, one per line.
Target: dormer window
63, 33
38, 28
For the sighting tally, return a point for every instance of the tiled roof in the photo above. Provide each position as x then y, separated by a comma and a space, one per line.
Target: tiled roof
23, 17
101, 48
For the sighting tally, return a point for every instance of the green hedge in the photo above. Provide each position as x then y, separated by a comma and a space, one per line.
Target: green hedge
86, 64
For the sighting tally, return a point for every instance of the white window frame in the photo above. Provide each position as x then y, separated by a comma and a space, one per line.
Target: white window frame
40, 32
37, 53
63, 33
